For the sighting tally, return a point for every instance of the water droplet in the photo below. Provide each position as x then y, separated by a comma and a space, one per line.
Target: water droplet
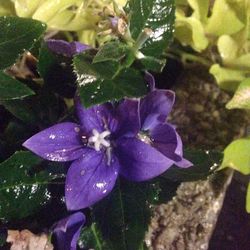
52, 136
77, 129
68, 189
83, 172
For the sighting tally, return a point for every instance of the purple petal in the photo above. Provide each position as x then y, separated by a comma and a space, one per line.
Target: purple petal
150, 80
128, 117
164, 139
67, 231
57, 143
90, 179
140, 161
183, 163
155, 108
99, 117
65, 48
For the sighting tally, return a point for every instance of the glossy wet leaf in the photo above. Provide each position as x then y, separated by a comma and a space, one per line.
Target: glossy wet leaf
129, 83
112, 51
204, 164
86, 69
16, 35
12, 89
121, 219
237, 156
21, 192
159, 16
241, 98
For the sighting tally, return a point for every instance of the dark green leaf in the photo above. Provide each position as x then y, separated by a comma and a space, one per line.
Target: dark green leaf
21, 110
123, 217
12, 89
159, 16
16, 35
57, 72
153, 64
87, 71
91, 237
22, 193
129, 83
112, 51
205, 163
46, 61
166, 190
3, 236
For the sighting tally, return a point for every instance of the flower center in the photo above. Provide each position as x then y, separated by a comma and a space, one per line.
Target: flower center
144, 137
98, 139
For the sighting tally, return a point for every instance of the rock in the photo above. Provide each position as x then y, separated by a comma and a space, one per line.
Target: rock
188, 220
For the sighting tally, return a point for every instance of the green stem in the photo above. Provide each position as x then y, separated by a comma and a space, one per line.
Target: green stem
184, 57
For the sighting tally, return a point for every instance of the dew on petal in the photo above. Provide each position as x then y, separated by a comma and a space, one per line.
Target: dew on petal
52, 136
101, 185
77, 129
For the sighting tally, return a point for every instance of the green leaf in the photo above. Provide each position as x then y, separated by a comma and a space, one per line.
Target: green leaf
112, 51
229, 24
241, 98
204, 164
6, 8
200, 8
123, 217
87, 71
57, 72
16, 35
226, 78
46, 61
20, 109
91, 237
153, 64
22, 193
159, 16
190, 31
12, 89
237, 156
129, 83
248, 199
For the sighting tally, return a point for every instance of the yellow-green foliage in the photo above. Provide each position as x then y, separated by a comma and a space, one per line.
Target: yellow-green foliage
82, 16
225, 24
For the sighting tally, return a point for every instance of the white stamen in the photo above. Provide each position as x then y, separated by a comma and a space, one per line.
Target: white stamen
98, 139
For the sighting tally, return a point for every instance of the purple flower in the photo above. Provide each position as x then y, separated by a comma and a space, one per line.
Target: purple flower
67, 231
132, 140
65, 48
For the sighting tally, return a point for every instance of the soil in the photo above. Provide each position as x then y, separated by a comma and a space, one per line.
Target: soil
188, 221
